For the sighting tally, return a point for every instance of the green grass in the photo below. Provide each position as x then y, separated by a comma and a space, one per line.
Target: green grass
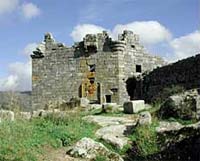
25, 140
145, 138
101, 158
183, 122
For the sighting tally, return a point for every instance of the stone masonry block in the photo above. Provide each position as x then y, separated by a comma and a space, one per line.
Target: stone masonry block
132, 107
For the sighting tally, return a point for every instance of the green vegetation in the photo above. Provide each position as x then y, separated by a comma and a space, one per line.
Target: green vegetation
25, 140
100, 158
183, 122
145, 138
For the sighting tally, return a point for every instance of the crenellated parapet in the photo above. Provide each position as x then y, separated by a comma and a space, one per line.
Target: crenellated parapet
91, 44
49, 44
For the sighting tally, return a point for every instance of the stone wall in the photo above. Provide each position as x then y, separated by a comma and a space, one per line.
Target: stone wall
184, 73
60, 73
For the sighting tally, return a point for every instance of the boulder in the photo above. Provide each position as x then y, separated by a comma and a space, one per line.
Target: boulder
90, 149
38, 113
132, 107
25, 115
114, 135
43, 113
145, 118
165, 126
95, 106
84, 102
110, 107
7, 115
183, 105
172, 133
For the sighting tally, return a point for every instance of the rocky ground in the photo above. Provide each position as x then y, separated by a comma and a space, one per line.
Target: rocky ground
133, 132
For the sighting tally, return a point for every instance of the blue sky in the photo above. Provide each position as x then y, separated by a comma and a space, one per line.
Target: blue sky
24, 22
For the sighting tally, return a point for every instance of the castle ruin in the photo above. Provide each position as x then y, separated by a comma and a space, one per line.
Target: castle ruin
96, 68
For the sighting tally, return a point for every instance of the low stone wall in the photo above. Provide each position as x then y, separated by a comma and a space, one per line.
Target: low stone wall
184, 73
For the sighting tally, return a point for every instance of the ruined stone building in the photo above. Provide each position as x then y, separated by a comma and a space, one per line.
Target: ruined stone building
96, 68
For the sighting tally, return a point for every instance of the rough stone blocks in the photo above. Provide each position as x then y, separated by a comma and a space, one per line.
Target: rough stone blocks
132, 107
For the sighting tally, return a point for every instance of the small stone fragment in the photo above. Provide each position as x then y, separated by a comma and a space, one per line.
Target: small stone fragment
145, 118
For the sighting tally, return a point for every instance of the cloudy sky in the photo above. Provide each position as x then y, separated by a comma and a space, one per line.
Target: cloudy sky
169, 28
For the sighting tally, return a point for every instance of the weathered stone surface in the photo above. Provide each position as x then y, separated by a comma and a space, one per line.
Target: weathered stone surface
95, 106
172, 133
114, 135
132, 107
38, 113
44, 113
108, 120
88, 148
183, 105
114, 129
165, 126
110, 107
84, 102
24, 115
96, 68
198, 107
145, 118
7, 115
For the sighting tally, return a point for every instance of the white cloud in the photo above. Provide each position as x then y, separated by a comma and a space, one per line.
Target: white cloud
150, 32
153, 35
186, 46
19, 74
19, 77
30, 10
28, 50
7, 6
8, 83
81, 30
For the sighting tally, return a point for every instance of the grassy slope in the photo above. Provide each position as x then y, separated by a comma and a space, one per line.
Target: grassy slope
25, 140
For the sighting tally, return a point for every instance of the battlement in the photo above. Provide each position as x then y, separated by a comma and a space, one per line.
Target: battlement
91, 43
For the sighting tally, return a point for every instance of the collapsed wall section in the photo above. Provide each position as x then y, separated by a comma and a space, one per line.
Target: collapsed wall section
184, 73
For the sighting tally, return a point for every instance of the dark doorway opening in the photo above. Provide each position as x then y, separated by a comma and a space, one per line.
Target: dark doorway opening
91, 49
138, 68
131, 87
108, 98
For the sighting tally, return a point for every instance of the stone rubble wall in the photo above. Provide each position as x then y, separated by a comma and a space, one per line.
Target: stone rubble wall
184, 73
58, 71
58, 75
